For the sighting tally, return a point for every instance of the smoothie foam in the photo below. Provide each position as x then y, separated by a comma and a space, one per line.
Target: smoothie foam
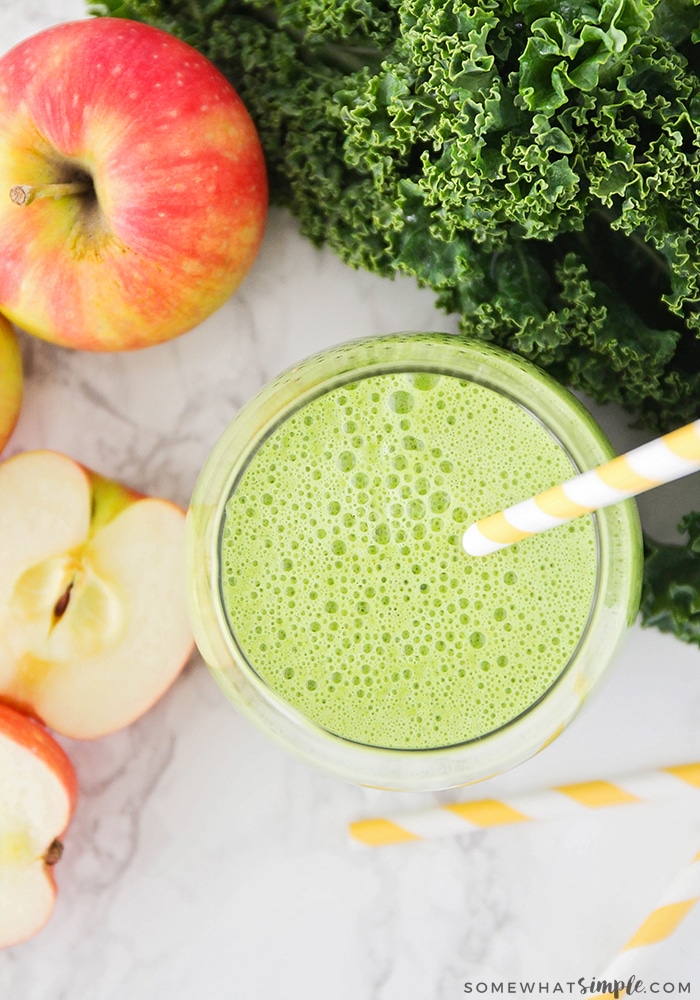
344, 578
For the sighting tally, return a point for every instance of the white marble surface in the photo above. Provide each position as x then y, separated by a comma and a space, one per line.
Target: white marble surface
205, 863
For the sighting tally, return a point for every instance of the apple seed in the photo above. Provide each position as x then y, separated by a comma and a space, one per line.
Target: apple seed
54, 852
62, 603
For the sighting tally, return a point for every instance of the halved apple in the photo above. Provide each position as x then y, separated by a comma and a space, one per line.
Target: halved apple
38, 793
93, 611
11, 378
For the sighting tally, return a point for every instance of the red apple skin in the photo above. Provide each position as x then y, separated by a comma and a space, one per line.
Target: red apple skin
32, 735
180, 190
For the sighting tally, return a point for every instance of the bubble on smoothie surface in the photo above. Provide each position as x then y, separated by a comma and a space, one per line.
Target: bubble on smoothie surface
344, 577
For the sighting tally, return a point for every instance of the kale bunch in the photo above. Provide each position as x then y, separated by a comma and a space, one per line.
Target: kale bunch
671, 594
537, 164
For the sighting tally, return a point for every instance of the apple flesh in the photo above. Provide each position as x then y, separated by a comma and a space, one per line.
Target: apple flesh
138, 183
93, 611
38, 794
11, 381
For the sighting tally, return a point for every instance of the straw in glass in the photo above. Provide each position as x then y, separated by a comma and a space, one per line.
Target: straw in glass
659, 461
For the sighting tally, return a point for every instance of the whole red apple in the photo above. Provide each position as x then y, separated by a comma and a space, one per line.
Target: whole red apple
138, 185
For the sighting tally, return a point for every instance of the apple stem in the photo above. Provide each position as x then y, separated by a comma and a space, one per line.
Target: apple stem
25, 194
54, 852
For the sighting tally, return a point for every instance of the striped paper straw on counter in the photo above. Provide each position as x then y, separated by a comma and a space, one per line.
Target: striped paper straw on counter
647, 947
659, 461
560, 801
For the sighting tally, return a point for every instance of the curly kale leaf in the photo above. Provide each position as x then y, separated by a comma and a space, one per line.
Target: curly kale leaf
671, 592
575, 47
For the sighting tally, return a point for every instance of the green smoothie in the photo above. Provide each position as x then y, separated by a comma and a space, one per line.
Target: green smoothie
343, 577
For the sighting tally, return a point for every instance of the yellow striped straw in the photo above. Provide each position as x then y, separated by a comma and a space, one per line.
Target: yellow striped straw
645, 949
659, 461
551, 803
